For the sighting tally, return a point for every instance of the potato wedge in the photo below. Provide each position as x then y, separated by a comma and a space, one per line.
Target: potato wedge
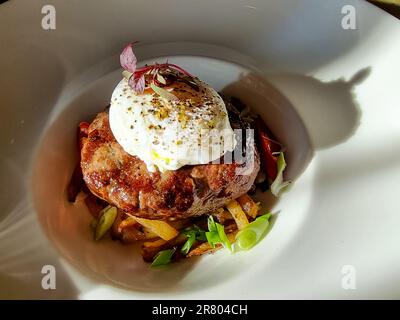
131, 235
150, 249
149, 234
128, 230
248, 205
238, 214
160, 228
203, 248
154, 244
131, 223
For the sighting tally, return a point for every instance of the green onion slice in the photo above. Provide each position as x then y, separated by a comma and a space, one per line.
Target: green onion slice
189, 242
163, 257
222, 235
213, 238
200, 233
278, 186
216, 234
211, 224
253, 232
107, 217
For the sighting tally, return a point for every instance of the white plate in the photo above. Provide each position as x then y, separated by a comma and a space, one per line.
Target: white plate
330, 94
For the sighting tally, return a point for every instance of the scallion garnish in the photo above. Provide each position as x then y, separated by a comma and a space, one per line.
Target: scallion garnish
189, 243
107, 217
278, 186
222, 235
213, 238
163, 257
216, 234
253, 232
194, 233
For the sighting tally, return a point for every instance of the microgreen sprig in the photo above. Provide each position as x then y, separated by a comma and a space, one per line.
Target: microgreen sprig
137, 76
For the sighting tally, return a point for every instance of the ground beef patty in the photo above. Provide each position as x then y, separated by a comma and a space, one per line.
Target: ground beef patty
123, 180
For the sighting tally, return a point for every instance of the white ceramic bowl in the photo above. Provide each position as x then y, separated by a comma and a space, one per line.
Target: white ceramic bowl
328, 93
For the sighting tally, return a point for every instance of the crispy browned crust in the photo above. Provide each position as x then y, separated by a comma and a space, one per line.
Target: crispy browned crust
123, 180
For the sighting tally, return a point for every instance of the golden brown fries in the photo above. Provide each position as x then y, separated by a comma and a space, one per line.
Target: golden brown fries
149, 234
151, 248
248, 205
129, 230
238, 214
154, 244
131, 234
205, 247
160, 228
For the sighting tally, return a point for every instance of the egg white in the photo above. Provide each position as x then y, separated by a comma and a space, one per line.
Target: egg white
165, 143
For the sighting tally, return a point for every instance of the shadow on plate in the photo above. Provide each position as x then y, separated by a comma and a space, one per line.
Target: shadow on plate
329, 110
324, 114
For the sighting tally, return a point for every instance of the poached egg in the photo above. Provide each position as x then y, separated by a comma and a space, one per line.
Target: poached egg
191, 128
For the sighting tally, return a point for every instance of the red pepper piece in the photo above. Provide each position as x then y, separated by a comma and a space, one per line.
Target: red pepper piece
267, 146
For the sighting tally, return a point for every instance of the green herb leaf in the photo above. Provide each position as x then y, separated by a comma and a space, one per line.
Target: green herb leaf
253, 232
278, 186
163, 93
193, 233
222, 235
200, 233
213, 238
189, 242
211, 224
163, 257
216, 234
107, 217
